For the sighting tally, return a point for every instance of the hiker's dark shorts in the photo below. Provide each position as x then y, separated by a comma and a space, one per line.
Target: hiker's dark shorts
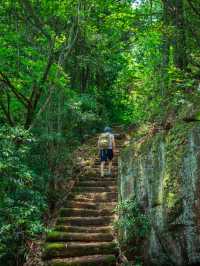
106, 155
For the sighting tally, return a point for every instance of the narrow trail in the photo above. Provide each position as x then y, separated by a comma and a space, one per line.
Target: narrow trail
84, 233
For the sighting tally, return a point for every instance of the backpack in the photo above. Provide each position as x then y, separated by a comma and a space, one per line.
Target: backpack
104, 140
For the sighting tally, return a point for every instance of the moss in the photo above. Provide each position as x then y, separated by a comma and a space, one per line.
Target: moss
175, 144
48, 247
56, 236
176, 147
57, 263
197, 115
171, 200
109, 261
165, 174
53, 234
53, 250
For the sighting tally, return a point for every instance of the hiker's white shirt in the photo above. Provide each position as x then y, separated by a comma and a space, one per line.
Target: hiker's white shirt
112, 138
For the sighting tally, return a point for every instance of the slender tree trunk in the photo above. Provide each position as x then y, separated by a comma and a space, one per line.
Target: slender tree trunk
174, 16
180, 55
177, 19
165, 49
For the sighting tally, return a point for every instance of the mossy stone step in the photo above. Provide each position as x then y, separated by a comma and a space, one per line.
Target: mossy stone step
95, 189
66, 212
86, 199
90, 205
77, 249
84, 229
81, 237
100, 260
96, 197
85, 221
99, 183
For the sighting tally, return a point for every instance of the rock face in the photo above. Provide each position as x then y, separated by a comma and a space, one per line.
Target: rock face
163, 173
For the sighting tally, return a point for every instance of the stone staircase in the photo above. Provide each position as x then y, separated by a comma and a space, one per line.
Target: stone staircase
84, 234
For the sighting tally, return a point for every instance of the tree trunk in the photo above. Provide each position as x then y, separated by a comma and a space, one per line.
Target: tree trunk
165, 48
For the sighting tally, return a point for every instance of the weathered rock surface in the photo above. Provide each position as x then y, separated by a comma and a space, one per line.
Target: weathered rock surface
163, 173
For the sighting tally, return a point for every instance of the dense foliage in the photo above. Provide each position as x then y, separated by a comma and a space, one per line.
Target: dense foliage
21, 203
67, 68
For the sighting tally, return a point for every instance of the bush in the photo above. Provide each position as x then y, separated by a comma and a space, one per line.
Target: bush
133, 226
21, 206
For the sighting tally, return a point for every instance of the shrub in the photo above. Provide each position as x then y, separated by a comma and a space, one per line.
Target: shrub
21, 206
133, 225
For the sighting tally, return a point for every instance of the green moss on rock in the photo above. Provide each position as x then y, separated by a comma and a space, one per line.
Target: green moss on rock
162, 172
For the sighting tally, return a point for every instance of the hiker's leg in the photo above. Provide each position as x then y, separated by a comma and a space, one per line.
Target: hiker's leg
103, 160
110, 157
109, 167
102, 168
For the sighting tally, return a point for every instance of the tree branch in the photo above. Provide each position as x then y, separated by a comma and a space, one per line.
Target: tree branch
42, 109
71, 41
44, 78
66, 49
8, 107
7, 111
18, 95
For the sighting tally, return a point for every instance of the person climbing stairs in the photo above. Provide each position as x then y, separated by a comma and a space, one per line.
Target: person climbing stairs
83, 234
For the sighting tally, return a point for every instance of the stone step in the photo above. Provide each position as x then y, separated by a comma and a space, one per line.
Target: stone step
84, 229
96, 165
98, 179
90, 205
66, 212
95, 189
77, 249
99, 183
85, 221
91, 176
94, 197
96, 173
57, 236
100, 260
